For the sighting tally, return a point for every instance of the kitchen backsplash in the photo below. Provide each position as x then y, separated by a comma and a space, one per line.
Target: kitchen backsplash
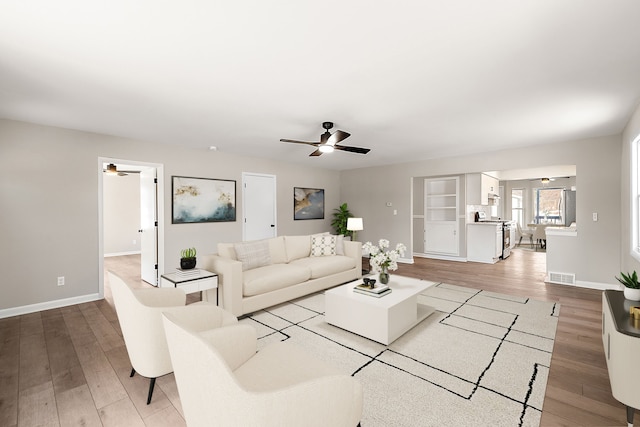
490, 211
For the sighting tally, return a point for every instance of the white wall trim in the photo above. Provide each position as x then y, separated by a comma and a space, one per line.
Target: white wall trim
48, 305
122, 253
441, 257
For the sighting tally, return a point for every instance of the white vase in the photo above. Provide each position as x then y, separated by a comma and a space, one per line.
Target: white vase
632, 294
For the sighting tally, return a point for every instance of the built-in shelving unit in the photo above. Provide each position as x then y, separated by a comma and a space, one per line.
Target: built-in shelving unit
441, 215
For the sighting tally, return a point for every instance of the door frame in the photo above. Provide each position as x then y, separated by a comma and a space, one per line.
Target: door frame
159, 209
275, 201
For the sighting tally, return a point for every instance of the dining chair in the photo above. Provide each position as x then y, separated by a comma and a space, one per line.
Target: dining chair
540, 236
524, 232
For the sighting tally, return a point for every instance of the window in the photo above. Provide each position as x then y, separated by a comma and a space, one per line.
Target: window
548, 205
635, 198
517, 206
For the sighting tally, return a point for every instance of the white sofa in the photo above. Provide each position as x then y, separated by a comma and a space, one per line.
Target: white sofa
259, 274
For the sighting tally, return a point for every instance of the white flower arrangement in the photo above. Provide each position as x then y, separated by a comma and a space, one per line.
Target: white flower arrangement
382, 259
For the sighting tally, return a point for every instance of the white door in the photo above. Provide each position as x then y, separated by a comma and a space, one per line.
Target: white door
148, 226
259, 206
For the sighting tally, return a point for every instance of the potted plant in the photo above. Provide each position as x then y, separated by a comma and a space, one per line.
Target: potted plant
631, 285
340, 217
188, 258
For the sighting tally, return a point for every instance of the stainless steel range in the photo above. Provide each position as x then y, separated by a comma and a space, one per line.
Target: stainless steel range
507, 225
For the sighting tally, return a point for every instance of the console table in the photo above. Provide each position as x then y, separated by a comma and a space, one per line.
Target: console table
620, 337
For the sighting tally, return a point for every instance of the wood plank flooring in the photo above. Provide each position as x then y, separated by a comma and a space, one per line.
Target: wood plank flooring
69, 366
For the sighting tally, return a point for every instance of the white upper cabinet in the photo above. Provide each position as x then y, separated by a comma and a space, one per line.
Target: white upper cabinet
480, 188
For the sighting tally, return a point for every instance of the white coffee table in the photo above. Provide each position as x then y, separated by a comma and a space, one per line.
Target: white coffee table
381, 319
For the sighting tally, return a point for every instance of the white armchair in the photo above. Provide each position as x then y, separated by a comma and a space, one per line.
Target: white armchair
222, 381
140, 316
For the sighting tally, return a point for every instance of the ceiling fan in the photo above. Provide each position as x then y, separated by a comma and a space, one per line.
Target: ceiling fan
329, 142
113, 170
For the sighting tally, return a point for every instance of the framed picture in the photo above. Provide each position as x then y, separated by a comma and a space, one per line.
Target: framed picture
308, 203
202, 200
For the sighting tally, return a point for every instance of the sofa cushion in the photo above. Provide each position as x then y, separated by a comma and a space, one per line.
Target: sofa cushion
340, 244
272, 277
277, 250
297, 247
253, 254
323, 245
225, 250
326, 265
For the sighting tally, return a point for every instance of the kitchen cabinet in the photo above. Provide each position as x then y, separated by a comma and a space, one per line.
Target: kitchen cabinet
479, 187
484, 242
441, 216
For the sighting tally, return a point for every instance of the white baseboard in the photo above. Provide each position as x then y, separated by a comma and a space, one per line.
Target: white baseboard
32, 308
441, 257
589, 285
122, 253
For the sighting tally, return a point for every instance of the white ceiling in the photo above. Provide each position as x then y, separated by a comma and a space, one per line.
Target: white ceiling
409, 79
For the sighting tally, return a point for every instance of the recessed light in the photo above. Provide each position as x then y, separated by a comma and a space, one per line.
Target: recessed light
213, 148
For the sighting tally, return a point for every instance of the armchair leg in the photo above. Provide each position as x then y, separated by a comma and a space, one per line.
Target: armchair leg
133, 372
152, 383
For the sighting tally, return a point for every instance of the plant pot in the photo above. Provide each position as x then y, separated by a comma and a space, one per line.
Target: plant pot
187, 263
632, 294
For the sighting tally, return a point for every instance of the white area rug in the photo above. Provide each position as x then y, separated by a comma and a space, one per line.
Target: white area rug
481, 359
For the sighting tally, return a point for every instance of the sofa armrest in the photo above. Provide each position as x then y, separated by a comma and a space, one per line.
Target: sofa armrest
230, 281
354, 250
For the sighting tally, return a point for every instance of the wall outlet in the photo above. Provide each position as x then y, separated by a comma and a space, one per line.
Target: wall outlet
61, 281
134, 241
595, 216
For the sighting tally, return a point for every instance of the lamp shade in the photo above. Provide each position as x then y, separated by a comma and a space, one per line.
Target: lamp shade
354, 224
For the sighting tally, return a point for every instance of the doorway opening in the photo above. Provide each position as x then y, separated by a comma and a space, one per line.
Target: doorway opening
131, 217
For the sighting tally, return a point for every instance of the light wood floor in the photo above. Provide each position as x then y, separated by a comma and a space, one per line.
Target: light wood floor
69, 366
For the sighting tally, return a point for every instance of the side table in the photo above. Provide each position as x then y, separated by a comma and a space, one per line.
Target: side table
203, 281
621, 341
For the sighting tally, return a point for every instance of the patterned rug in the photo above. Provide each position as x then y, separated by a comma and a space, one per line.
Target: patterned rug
482, 358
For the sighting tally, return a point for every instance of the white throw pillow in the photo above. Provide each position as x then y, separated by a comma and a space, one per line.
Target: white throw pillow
323, 245
340, 244
253, 254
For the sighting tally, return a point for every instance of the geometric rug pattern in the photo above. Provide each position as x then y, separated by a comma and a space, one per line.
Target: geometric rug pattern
481, 359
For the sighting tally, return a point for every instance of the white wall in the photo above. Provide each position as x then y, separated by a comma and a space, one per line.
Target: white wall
597, 163
49, 218
121, 210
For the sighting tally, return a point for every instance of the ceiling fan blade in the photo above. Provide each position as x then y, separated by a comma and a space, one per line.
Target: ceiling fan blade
358, 150
337, 137
315, 153
315, 144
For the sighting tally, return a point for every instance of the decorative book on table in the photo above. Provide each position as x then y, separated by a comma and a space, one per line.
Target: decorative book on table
188, 273
372, 294
376, 291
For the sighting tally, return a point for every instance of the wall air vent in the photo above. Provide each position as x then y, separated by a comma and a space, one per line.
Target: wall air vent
562, 278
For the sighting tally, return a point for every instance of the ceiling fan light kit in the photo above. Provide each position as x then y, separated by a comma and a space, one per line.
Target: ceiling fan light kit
329, 142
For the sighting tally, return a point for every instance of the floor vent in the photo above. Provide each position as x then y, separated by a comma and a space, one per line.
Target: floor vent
562, 278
